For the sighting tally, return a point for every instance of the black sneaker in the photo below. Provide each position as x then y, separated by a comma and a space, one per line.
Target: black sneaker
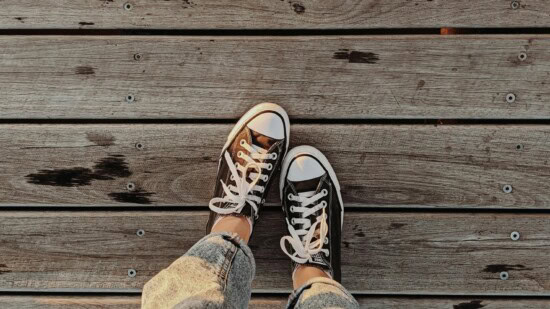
314, 211
253, 152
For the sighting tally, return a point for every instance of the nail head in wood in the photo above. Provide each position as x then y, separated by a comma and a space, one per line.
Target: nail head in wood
132, 273
138, 57
522, 56
140, 146
504, 275
515, 5
128, 6
507, 189
130, 98
140, 233
514, 235
131, 186
519, 147
510, 98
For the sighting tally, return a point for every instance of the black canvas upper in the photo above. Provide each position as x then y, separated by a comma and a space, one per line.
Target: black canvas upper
331, 262
251, 138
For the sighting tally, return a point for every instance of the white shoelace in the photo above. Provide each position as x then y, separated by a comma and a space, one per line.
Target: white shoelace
305, 247
238, 195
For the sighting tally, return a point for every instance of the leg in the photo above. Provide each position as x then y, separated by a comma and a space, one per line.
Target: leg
321, 292
216, 272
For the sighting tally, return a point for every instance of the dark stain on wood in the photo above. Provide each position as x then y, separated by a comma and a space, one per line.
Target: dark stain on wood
101, 139
106, 169
111, 167
134, 197
68, 177
4, 271
84, 70
395, 226
298, 7
356, 56
83, 23
474, 304
21, 19
497, 268
360, 234
420, 84
188, 4
362, 158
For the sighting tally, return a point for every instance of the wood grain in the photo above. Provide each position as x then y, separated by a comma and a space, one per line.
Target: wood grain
406, 252
265, 14
464, 166
274, 301
313, 77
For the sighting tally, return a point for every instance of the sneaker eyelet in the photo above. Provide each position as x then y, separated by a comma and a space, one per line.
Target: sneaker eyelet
325, 192
242, 142
232, 177
324, 203
292, 221
327, 254
240, 154
326, 241
292, 209
265, 178
274, 156
290, 196
269, 166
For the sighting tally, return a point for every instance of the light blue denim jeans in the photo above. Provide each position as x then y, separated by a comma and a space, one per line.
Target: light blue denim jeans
217, 272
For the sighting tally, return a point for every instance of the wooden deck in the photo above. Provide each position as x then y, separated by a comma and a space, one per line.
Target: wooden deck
113, 114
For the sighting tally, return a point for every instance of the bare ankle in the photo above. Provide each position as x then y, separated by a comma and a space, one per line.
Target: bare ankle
304, 273
233, 224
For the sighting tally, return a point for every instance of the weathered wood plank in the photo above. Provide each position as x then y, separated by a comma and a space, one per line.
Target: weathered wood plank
275, 301
377, 165
405, 252
313, 77
69, 302
265, 14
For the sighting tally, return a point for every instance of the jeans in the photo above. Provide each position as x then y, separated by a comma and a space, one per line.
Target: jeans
217, 272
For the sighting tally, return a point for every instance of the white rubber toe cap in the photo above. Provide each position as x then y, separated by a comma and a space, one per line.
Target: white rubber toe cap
268, 124
304, 168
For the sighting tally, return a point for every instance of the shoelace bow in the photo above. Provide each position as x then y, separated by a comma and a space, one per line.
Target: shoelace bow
242, 192
302, 240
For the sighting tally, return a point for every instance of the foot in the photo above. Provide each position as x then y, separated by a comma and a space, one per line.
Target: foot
253, 152
312, 204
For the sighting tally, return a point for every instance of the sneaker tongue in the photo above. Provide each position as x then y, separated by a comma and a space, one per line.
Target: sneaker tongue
261, 141
307, 185
318, 259
255, 147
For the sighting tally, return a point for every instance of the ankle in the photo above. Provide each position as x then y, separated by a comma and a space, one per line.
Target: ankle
304, 273
233, 224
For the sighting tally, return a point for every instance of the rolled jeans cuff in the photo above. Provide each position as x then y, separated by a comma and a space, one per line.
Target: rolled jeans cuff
321, 293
